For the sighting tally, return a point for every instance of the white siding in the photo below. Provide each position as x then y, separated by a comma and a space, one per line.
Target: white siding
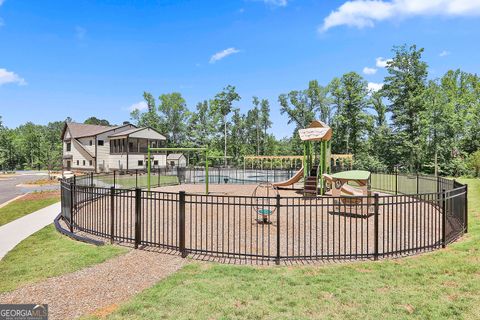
134, 158
86, 144
117, 162
147, 133
80, 155
161, 158
133, 161
106, 161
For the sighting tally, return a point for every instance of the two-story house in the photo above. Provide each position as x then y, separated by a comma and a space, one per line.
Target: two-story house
97, 148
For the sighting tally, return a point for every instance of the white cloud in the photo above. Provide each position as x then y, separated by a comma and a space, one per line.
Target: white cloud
277, 3
364, 13
381, 62
373, 86
223, 54
140, 106
80, 32
10, 77
444, 53
368, 70
2, 23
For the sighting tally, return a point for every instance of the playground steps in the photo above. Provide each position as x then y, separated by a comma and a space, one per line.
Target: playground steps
310, 185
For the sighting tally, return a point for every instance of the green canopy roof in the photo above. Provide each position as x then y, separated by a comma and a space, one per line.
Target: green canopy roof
352, 175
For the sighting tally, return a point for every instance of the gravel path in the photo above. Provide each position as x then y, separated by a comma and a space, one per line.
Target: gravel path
99, 287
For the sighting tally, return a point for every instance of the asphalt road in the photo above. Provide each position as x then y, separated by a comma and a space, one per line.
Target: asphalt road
8, 184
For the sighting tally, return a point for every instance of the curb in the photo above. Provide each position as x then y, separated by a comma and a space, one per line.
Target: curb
74, 236
11, 200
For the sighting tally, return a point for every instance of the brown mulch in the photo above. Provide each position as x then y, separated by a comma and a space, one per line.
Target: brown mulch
42, 182
41, 195
98, 288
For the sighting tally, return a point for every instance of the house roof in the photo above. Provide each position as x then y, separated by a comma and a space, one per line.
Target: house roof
129, 132
126, 132
175, 156
79, 130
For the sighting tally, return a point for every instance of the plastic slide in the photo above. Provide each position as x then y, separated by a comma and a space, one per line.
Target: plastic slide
296, 177
347, 189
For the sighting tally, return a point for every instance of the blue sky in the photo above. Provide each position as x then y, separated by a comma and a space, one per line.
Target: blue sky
95, 58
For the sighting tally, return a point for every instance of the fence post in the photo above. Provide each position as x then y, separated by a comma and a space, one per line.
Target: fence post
112, 214
417, 183
136, 178
396, 182
91, 179
277, 259
181, 223
466, 208
138, 213
376, 205
114, 180
72, 205
444, 219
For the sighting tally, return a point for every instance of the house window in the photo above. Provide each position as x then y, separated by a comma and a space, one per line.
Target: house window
91, 163
78, 162
83, 162
130, 146
140, 163
69, 146
90, 142
155, 162
100, 142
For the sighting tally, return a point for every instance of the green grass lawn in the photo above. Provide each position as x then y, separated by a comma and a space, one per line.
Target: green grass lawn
439, 285
27, 205
46, 254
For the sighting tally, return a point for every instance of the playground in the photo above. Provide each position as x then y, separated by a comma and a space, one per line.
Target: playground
303, 210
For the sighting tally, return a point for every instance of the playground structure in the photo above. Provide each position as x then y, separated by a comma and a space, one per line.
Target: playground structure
339, 183
265, 201
315, 164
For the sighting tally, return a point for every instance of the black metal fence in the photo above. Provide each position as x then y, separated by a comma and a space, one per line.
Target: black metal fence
419, 213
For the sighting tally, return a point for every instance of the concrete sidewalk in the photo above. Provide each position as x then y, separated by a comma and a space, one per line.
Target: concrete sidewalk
14, 232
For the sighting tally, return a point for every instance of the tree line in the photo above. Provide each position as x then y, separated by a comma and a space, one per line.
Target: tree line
413, 123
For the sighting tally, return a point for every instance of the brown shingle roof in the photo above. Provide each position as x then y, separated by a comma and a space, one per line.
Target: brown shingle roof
79, 130
126, 132
133, 130
175, 156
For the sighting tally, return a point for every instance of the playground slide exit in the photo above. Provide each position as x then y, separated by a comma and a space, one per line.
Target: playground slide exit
296, 177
